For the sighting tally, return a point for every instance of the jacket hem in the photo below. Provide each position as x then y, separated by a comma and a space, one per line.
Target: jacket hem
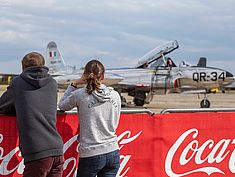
43, 154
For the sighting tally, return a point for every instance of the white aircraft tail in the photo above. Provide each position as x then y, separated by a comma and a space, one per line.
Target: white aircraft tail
55, 60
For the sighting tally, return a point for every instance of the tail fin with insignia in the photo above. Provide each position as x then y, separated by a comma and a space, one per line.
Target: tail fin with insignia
55, 61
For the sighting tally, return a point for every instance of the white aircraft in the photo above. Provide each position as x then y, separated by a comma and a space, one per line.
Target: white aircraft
154, 74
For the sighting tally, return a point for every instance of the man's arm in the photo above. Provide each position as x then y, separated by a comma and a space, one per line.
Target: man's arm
7, 101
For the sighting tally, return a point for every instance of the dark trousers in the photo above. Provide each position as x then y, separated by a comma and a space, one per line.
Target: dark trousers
104, 165
45, 167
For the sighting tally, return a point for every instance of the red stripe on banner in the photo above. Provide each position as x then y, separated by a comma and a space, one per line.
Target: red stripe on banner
182, 144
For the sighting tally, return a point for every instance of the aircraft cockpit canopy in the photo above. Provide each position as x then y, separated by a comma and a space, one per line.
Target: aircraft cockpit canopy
162, 63
157, 64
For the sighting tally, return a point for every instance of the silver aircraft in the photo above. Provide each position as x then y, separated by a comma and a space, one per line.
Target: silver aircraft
155, 73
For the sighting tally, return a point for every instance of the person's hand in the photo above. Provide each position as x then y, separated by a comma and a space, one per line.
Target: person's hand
82, 80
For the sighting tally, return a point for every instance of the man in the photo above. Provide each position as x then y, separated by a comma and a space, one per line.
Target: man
33, 97
169, 63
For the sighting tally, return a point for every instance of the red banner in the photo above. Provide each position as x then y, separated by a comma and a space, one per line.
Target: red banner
189, 144
197, 144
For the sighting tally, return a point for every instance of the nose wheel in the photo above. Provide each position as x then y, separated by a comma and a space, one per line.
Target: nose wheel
205, 103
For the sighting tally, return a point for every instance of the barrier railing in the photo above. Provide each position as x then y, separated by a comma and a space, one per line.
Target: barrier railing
197, 110
123, 111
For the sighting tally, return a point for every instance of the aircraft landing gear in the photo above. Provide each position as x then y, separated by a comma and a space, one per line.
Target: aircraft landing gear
138, 101
139, 98
123, 102
205, 103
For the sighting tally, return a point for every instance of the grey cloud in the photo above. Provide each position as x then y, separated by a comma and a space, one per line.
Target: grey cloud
122, 30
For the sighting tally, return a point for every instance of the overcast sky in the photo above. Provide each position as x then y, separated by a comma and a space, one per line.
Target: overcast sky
118, 32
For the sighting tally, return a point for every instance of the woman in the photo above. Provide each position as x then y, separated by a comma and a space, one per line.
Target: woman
99, 111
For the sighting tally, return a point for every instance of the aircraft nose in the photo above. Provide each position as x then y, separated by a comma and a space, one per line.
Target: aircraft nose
228, 74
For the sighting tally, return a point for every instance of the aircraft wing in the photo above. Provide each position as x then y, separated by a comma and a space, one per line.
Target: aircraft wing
139, 82
110, 78
157, 53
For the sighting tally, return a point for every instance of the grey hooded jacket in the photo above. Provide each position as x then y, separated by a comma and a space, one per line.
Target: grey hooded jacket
33, 96
99, 117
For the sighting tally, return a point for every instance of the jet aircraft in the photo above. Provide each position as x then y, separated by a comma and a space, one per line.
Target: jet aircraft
155, 73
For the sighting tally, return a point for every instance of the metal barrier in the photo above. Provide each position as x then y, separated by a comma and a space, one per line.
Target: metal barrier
164, 111
123, 111
197, 110
136, 111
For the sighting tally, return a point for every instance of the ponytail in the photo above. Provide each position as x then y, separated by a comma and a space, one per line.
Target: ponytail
94, 71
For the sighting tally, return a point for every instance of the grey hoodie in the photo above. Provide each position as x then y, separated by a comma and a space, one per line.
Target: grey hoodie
99, 116
33, 95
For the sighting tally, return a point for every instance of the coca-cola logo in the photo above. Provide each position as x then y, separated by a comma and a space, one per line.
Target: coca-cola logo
124, 139
70, 165
194, 151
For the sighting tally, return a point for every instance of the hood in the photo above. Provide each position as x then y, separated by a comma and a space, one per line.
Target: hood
36, 76
103, 94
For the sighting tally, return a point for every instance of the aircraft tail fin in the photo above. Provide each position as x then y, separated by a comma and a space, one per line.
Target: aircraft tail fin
55, 61
202, 62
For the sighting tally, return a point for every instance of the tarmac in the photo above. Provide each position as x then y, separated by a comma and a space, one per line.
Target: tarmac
187, 101
179, 101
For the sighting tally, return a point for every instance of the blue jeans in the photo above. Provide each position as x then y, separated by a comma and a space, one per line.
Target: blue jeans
104, 165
